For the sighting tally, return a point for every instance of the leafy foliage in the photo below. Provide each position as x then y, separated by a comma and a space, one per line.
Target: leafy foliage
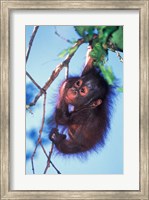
102, 38
108, 74
70, 51
117, 38
85, 32
120, 89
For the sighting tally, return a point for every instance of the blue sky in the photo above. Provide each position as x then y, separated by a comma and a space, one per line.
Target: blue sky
42, 61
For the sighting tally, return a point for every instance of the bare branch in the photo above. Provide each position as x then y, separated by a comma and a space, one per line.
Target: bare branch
119, 56
31, 42
56, 72
55, 167
43, 117
113, 48
56, 32
33, 81
49, 158
32, 157
40, 132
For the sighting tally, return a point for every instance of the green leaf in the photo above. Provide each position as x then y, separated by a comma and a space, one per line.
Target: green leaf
109, 30
90, 30
63, 53
88, 38
69, 50
86, 32
100, 28
98, 53
108, 74
72, 49
117, 38
105, 32
120, 89
80, 30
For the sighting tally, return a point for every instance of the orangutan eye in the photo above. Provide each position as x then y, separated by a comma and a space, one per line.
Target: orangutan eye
84, 91
78, 83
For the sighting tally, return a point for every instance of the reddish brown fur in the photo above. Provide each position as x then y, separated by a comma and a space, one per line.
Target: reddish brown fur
89, 122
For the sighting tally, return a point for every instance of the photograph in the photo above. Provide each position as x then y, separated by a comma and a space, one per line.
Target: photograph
74, 99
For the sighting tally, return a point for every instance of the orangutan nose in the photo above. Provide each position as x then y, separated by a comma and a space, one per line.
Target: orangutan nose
74, 91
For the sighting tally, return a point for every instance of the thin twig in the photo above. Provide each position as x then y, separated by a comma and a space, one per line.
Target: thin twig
55, 167
119, 56
56, 72
56, 32
40, 132
32, 157
49, 158
44, 112
42, 91
31, 42
33, 81
43, 149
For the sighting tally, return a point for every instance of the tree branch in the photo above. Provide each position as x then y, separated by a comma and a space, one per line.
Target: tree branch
49, 158
31, 41
119, 56
56, 72
40, 132
56, 32
29, 76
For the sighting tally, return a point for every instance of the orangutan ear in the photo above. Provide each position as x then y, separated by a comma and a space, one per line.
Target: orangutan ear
96, 103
